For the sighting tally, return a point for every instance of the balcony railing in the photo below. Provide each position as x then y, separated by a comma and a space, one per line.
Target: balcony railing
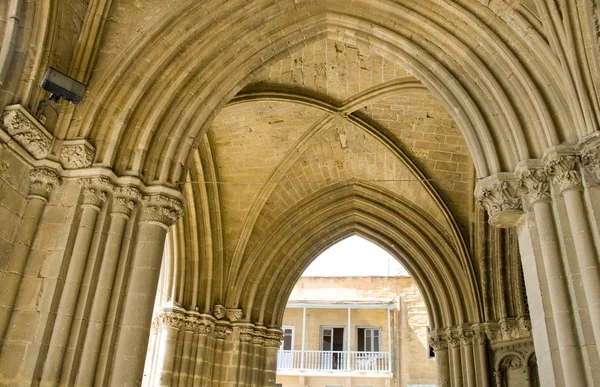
345, 361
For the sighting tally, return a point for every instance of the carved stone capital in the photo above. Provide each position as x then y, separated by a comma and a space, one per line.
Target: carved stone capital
190, 323
479, 334
438, 342
125, 199
42, 182
590, 159
27, 131
465, 336
273, 339
258, 337
204, 327
502, 200
94, 196
221, 331
234, 315
95, 190
492, 331
170, 319
453, 341
161, 208
246, 334
535, 184
75, 154
219, 312
564, 170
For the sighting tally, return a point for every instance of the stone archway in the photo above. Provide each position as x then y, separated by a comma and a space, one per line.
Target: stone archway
82, 263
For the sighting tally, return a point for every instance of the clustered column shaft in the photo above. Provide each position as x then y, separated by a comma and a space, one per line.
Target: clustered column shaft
42, 183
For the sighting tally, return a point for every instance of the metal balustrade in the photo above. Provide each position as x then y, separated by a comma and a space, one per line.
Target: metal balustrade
345, 361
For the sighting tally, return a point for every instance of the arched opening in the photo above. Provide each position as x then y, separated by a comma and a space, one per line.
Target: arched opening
285, 127
355, 315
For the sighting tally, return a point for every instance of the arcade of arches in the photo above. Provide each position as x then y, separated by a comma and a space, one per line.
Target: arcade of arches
221, 145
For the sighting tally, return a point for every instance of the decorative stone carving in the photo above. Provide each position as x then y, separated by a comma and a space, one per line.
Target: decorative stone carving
465, 337
258, 338
524, 324
204, 327
509, 329
27, 131
161, 208
502, 200
219, 311
170, 319
479, 334
536, 185
564, 170
511, 362
590, 159
453, 340
492, 331
438, 343
93, 196
190, 323
234, 315
221, 331
246, 334
125, 199
76, 154
43, 181
273, 339
123, 205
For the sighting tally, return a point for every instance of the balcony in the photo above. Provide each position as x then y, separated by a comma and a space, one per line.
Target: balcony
292, 362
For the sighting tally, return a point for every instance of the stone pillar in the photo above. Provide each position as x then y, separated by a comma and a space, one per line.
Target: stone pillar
455, 360
189, 326
42, 183
203, 354
158, 213
482, 356
94, 195
466, 341
220, 334
273, 340
442, 364
567, 177
169, 323
258, 341
245, 355
123, 204
539, 199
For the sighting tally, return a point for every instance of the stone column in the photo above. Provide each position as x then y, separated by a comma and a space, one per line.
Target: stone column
442, 363
569, 180
482, 355
169, 323
123, 203
258, 341
220, 334
94, 195
158, 213
189, 325
466, 341
42, 183
202, 363
273, 340
245, 355
539, 199
455, 360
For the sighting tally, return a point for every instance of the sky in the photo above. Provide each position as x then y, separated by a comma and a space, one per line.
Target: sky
354, 256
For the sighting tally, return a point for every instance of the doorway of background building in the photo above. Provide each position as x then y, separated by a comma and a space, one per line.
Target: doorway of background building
332, 341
